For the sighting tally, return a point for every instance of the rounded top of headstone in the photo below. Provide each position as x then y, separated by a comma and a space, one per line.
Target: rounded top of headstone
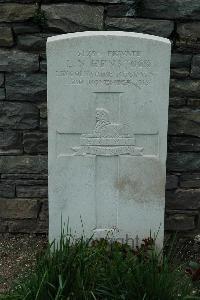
107, 34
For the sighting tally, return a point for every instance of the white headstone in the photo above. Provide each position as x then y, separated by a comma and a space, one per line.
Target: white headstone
107, 121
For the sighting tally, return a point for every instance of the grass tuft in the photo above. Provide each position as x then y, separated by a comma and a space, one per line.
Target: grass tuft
85, 269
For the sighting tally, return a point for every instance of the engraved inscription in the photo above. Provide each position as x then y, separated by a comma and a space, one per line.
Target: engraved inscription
107, 134
93, 68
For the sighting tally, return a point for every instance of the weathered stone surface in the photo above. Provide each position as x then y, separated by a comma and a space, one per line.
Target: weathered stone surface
120, 10
195, 103
177, 102
179, 222
7, 190
179, 60
37, 191
18, 115
19, 208
25, 28
190, 88
184, 144
190, 180
189, 31
27, 87
157, 27
72, 17
195, 70
11, 12
33, 42
10, 142
43, 124
18, 61
98, 117
18, 1
6, 37
189, 36
180, 73
1, 79
27, 226
115, 1
25, 177
184, 121
43, 109
25, 182
23, 164
2, 94
183, 162
171, 182
35, 142
170, 9
183, 199
44, 213
43, 66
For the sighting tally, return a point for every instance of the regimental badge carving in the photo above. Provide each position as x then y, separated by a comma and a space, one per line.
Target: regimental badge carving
107, 139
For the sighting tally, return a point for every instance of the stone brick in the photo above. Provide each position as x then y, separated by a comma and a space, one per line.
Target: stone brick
6, 37
189, 36
18, 1
25, 28
18, 61
43, 66
43, 109
179, 60
171, 182
183, 162
33, 42
1, 79
19, 208
26, 177
25, 182
11, 12
35, 142
180, 73
26, 87
131, 2
177, 102
184, 121
73, 17
190, 180
179, 222
3, 226
195, 70
157, 27
2, 94
183, 199
7, 190
183, 144
36, 191
27, 226
43, 124
10, 142
23, 164
18, 115
44, 210
170, 9
120, 10
186, 88
195, 103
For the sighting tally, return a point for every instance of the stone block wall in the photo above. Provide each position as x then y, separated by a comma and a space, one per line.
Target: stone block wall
24, 28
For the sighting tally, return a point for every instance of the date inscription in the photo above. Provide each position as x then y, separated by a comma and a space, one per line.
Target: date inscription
110, 68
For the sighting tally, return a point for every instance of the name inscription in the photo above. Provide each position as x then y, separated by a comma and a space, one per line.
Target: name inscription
109, 68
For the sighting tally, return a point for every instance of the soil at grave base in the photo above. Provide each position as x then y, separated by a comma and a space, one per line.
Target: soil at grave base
18, 254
